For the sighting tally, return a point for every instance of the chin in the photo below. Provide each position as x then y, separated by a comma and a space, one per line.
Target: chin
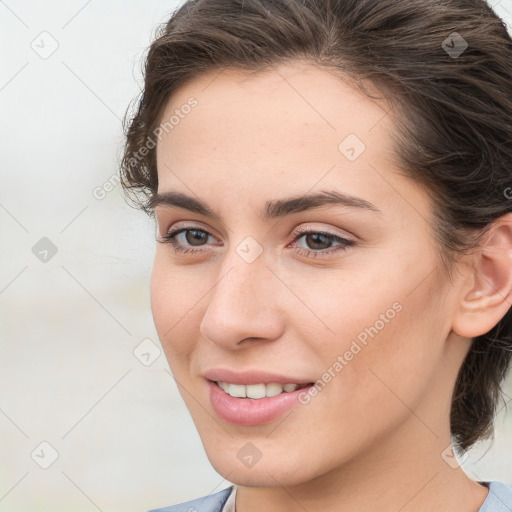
272, 470
262, 477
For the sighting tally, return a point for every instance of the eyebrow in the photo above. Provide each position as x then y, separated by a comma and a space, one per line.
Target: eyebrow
273, 209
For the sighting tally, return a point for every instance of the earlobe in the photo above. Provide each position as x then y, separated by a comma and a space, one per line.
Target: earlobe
490, 297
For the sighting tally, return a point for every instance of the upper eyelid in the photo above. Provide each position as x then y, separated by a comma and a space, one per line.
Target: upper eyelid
297, 232
191, 227
344, 232
301, 229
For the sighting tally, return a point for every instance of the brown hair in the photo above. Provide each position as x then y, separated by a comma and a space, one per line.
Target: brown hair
452, 112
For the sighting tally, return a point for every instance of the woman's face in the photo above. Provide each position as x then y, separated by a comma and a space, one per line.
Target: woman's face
257, 300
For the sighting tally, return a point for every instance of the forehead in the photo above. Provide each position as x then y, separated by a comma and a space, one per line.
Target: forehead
293, 102
288, 127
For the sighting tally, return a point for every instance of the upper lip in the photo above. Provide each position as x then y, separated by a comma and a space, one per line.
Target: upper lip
251, 377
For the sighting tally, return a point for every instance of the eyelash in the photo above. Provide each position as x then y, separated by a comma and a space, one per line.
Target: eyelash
169, 238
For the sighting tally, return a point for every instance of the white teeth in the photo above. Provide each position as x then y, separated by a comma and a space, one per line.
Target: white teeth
274, 389
237, 390
224, 386
256, 391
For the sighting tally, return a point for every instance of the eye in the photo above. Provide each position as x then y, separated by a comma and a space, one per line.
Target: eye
180, 237
183, 240
314, 238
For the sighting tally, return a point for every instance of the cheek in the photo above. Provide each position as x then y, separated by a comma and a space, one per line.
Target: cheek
380, 337
172, 306
395, 360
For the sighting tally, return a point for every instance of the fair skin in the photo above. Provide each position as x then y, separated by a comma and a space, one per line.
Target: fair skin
372, 439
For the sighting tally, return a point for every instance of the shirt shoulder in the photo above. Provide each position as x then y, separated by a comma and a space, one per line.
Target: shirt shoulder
499, 498
210, 503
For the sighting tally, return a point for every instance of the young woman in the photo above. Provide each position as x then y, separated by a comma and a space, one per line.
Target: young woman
332, 185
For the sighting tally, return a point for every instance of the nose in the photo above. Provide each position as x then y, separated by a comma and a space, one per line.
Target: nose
244, 305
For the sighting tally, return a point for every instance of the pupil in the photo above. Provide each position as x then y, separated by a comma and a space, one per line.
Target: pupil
315, 237
198, 236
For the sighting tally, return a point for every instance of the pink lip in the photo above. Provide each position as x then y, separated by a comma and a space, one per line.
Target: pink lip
246, 411
251, 377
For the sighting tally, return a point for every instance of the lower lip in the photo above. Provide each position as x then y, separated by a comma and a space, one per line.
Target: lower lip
246, 411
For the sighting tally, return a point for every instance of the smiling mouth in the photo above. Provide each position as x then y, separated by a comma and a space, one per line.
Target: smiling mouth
258, 391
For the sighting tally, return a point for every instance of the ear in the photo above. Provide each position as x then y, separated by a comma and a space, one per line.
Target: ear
490, 283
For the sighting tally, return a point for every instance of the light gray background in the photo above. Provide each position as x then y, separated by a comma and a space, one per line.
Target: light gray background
69, 326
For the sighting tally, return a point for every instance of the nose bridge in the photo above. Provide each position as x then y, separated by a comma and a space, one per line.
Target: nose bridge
245, 274
242, 303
